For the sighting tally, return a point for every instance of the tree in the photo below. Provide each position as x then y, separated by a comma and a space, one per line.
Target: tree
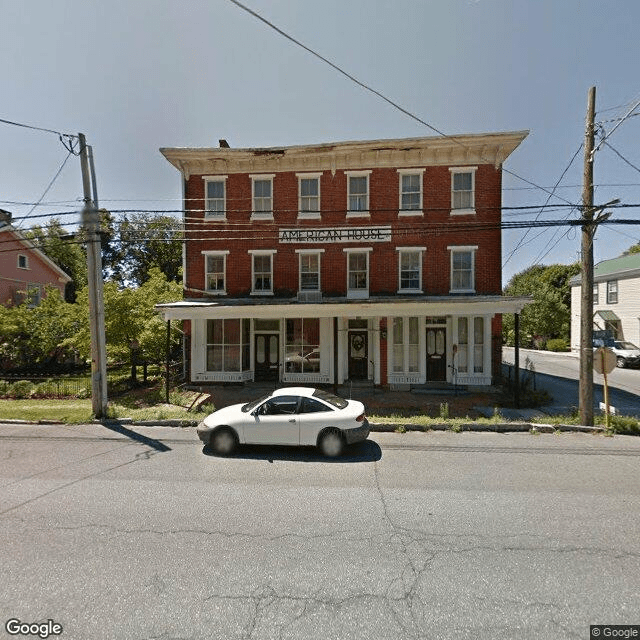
632, 249
65, 250
548, 316
131, 322
138, 242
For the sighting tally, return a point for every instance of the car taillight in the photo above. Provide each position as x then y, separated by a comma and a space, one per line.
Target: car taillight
360, 418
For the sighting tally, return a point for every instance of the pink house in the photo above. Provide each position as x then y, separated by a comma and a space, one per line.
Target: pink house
24, 269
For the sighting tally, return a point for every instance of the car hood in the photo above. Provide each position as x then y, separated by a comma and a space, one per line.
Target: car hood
226, 415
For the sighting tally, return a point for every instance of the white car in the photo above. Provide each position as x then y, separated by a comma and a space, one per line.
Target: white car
288, 416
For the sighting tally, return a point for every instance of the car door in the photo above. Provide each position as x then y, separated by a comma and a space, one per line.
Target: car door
315, 416
275, 421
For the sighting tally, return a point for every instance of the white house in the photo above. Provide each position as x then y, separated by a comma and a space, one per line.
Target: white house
616, 299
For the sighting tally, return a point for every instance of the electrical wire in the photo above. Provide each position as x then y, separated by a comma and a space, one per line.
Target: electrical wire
374, 91
633, 166
558, 181
44, 193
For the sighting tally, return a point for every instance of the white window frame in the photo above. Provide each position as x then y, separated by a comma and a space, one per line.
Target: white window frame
308, 215
261, 252
612, 292
357, 213
405, 346
476, 354
215, 254
26, 261
263, 214
410, 172
309, 252
466, 210
463, 249
210, 214
359, 293
419, 251
596, 294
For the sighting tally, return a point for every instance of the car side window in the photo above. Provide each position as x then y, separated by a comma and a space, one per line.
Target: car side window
281, 405
309, 405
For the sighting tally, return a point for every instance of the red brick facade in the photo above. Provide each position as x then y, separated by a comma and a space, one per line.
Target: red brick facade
435, 318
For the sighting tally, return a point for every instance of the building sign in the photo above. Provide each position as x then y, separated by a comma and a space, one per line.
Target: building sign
336, 234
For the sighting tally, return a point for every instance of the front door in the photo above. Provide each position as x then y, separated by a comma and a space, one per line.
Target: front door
436, 356
267, 356
358, 355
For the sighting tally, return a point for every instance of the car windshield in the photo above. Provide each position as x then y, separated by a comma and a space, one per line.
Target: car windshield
626, 345
336, 401
250, 406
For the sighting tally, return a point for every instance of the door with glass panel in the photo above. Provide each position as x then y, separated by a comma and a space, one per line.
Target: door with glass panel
436, 357
267, 356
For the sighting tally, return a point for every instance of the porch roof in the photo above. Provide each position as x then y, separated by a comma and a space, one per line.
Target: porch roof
342, 307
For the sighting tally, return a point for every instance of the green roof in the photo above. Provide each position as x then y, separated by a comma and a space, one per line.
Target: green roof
615, 265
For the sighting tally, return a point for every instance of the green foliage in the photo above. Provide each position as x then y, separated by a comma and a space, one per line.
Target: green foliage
31, 337
557, 344
131, 320
61, 247
137, 243
633, 249
20, 389
548, 316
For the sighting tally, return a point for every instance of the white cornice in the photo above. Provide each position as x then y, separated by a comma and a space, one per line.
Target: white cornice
468, 149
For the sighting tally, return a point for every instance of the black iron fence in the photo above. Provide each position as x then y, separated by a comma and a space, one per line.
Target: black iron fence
120, 379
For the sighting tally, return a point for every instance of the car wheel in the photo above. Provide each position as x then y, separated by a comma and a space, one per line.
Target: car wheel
620, 362
332, 443
223, 442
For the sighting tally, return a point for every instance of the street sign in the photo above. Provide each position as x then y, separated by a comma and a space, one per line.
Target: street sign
604, 360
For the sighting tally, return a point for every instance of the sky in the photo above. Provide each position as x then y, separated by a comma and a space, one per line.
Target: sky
137, 75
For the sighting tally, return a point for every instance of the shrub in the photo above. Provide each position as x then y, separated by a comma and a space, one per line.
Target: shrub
4, 387
20, 389
46, 389
557, 344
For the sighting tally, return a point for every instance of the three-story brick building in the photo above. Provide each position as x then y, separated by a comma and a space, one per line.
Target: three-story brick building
376, 260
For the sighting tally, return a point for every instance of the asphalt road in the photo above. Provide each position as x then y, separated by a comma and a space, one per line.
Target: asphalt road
559, 373
137, 533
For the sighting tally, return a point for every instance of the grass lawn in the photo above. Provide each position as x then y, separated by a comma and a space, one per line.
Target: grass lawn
138, 405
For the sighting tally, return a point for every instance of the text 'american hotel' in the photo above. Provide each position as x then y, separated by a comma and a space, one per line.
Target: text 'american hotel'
375, 261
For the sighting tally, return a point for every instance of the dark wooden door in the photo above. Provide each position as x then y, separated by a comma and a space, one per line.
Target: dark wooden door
358, 355
267, 356
436, 355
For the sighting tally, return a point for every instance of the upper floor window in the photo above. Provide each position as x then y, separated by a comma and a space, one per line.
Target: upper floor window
596, 296
410, 269
612, 292
463, 189
215, 271
262, 272
462, 269
410, 192
309, 270
309, 195
215, 192
23, 262
262, 193
357, 273
357, 193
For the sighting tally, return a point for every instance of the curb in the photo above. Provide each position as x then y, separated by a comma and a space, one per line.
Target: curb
376, 427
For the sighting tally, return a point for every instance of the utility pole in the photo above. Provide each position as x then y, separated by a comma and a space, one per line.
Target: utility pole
90, 222
586, 302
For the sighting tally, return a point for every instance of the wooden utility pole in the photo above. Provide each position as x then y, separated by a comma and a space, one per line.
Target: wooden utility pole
90, 223
586, 302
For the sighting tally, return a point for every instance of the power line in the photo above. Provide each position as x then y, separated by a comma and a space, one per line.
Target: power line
633, 166
520, 242
374, 91
55, 177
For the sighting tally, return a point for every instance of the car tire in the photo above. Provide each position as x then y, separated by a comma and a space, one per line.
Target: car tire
621, 362
332, 443
223, 441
